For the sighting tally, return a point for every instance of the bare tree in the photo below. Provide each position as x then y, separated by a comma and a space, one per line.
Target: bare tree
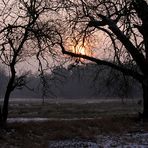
123, 25
25, 33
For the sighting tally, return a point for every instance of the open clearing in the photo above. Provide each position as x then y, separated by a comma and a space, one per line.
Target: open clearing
104, 122
72, 108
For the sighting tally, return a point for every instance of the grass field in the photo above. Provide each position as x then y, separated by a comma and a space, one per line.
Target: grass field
73, 109
68, 121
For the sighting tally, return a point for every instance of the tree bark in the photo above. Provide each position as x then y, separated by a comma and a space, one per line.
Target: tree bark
4, 111
5, 105
1, 119
145, 100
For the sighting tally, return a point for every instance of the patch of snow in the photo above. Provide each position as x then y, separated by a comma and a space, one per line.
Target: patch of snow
72, 144
61, 100
24, 120
131, 140
38, 119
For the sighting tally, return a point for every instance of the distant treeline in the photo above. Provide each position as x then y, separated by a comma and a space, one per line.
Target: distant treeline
81, 81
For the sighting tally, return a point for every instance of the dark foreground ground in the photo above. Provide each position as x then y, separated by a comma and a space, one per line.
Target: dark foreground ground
70, 121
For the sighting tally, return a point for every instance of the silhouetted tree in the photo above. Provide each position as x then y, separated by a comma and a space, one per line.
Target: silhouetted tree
25, 33
124, 23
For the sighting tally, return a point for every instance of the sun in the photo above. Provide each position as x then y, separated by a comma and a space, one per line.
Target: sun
82, 49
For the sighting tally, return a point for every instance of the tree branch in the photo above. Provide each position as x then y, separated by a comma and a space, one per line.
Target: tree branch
124, 70
137, 56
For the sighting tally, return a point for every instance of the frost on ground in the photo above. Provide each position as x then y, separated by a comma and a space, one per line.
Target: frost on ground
131, 140
75, 143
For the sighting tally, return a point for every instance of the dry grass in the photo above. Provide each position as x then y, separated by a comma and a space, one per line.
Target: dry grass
111, 118
38, 134
69, 110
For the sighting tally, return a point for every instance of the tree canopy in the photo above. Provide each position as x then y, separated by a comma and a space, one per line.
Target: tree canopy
123, 24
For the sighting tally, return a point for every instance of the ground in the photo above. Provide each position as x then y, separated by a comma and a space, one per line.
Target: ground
98, 121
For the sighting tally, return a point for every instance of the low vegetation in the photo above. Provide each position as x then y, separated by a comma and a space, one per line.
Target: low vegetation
89, 120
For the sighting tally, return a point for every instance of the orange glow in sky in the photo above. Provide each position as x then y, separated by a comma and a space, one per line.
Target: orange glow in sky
83, 49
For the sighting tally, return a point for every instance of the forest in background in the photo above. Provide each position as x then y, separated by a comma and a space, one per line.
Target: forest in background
76, 82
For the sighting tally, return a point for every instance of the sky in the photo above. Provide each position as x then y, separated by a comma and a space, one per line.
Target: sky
33, 64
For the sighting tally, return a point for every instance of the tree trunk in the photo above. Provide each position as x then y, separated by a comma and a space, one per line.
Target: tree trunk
4, 111
5, 105
145, 100
1, 118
